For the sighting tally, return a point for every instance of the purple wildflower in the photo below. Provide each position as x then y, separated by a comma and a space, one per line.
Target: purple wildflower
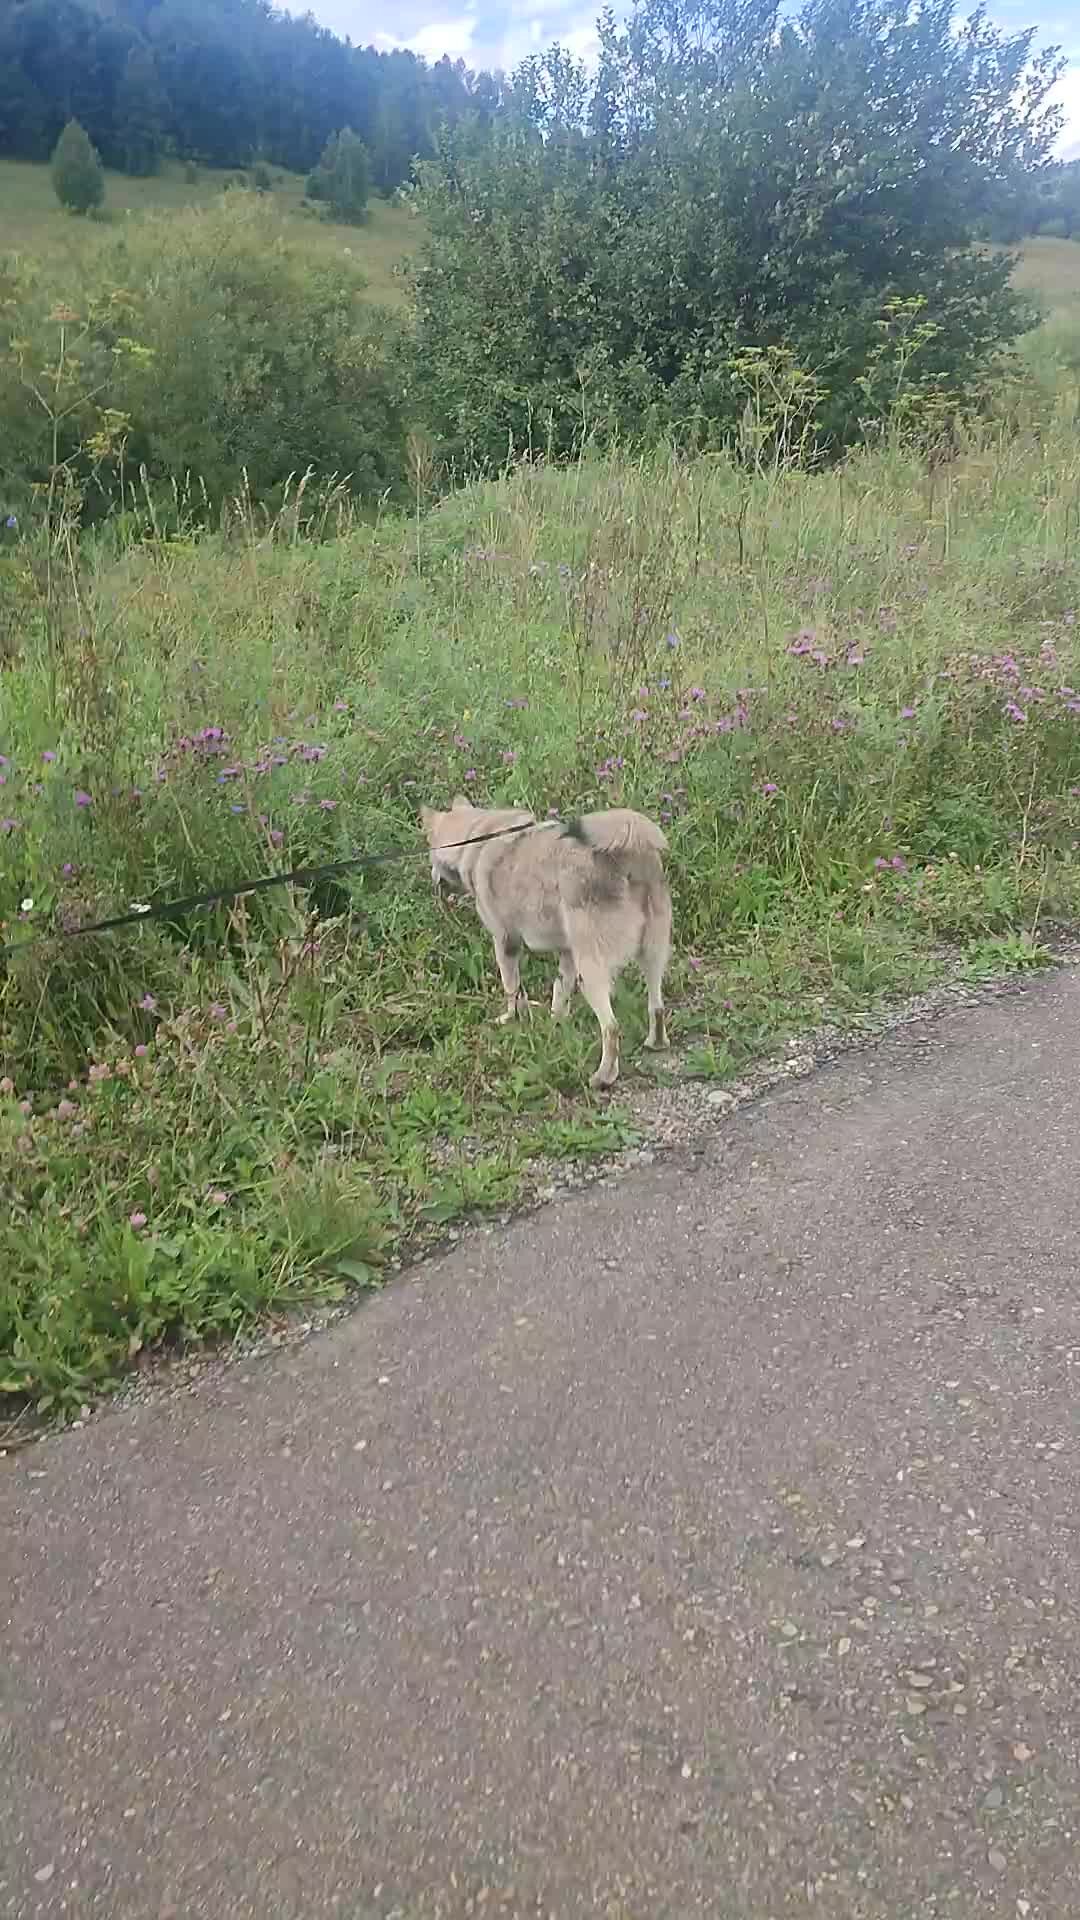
769, 787
82, 799
1013, 712
217, 1011
8, 826
671, 642
137, 1220
48, 756
471, 774
148, 1004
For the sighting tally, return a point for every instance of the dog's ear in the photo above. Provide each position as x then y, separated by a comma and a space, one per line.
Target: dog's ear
429, 818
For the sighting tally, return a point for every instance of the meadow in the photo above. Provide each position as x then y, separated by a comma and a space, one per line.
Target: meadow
852, 696
35, 225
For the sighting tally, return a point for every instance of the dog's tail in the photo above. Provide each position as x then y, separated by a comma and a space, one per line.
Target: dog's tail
621, 831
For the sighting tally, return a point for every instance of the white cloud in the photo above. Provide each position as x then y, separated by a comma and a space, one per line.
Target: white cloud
453, 37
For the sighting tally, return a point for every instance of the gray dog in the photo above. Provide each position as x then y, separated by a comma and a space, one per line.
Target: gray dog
592, 890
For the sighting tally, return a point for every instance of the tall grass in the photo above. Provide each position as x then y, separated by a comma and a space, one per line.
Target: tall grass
851, 697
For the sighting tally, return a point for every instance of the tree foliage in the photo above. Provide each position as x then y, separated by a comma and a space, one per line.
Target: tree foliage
217, 81
729, 180
342, 179
1045, 200
77, 177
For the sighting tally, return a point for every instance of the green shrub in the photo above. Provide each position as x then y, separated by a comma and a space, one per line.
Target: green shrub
606, 256
206, 350
77, 176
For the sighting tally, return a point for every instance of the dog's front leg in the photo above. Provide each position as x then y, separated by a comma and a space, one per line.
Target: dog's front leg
510, 974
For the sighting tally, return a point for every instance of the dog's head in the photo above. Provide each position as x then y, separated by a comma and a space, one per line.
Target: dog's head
444, 833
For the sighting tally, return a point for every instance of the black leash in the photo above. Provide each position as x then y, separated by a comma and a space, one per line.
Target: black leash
299, 877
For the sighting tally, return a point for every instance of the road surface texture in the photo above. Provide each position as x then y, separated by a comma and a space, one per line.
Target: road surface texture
705, 1544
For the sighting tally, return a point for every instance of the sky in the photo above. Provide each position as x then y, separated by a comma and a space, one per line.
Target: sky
486, 34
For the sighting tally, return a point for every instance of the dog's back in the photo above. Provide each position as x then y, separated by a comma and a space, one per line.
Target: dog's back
633, 844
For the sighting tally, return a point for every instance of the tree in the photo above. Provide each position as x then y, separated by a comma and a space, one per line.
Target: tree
224, 79
141, 111
729, 179
342, 178
77, 176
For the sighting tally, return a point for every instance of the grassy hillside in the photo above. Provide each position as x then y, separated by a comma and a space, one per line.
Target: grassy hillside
1051, 269
33, 223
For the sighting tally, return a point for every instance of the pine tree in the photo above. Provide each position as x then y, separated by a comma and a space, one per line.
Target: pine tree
350, 179
77, 176
342, 179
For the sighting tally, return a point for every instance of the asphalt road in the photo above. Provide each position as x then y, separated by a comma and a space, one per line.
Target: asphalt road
705, 1544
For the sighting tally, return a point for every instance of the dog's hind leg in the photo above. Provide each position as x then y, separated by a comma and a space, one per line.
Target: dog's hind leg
563, 991
510, 974
655, 954
596, 986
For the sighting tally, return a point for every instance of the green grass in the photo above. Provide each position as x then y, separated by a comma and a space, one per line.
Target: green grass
1050, 268
34, 224
849, 695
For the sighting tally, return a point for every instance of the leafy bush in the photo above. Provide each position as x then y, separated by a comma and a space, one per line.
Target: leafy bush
204, 349
604, 261
77, 176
